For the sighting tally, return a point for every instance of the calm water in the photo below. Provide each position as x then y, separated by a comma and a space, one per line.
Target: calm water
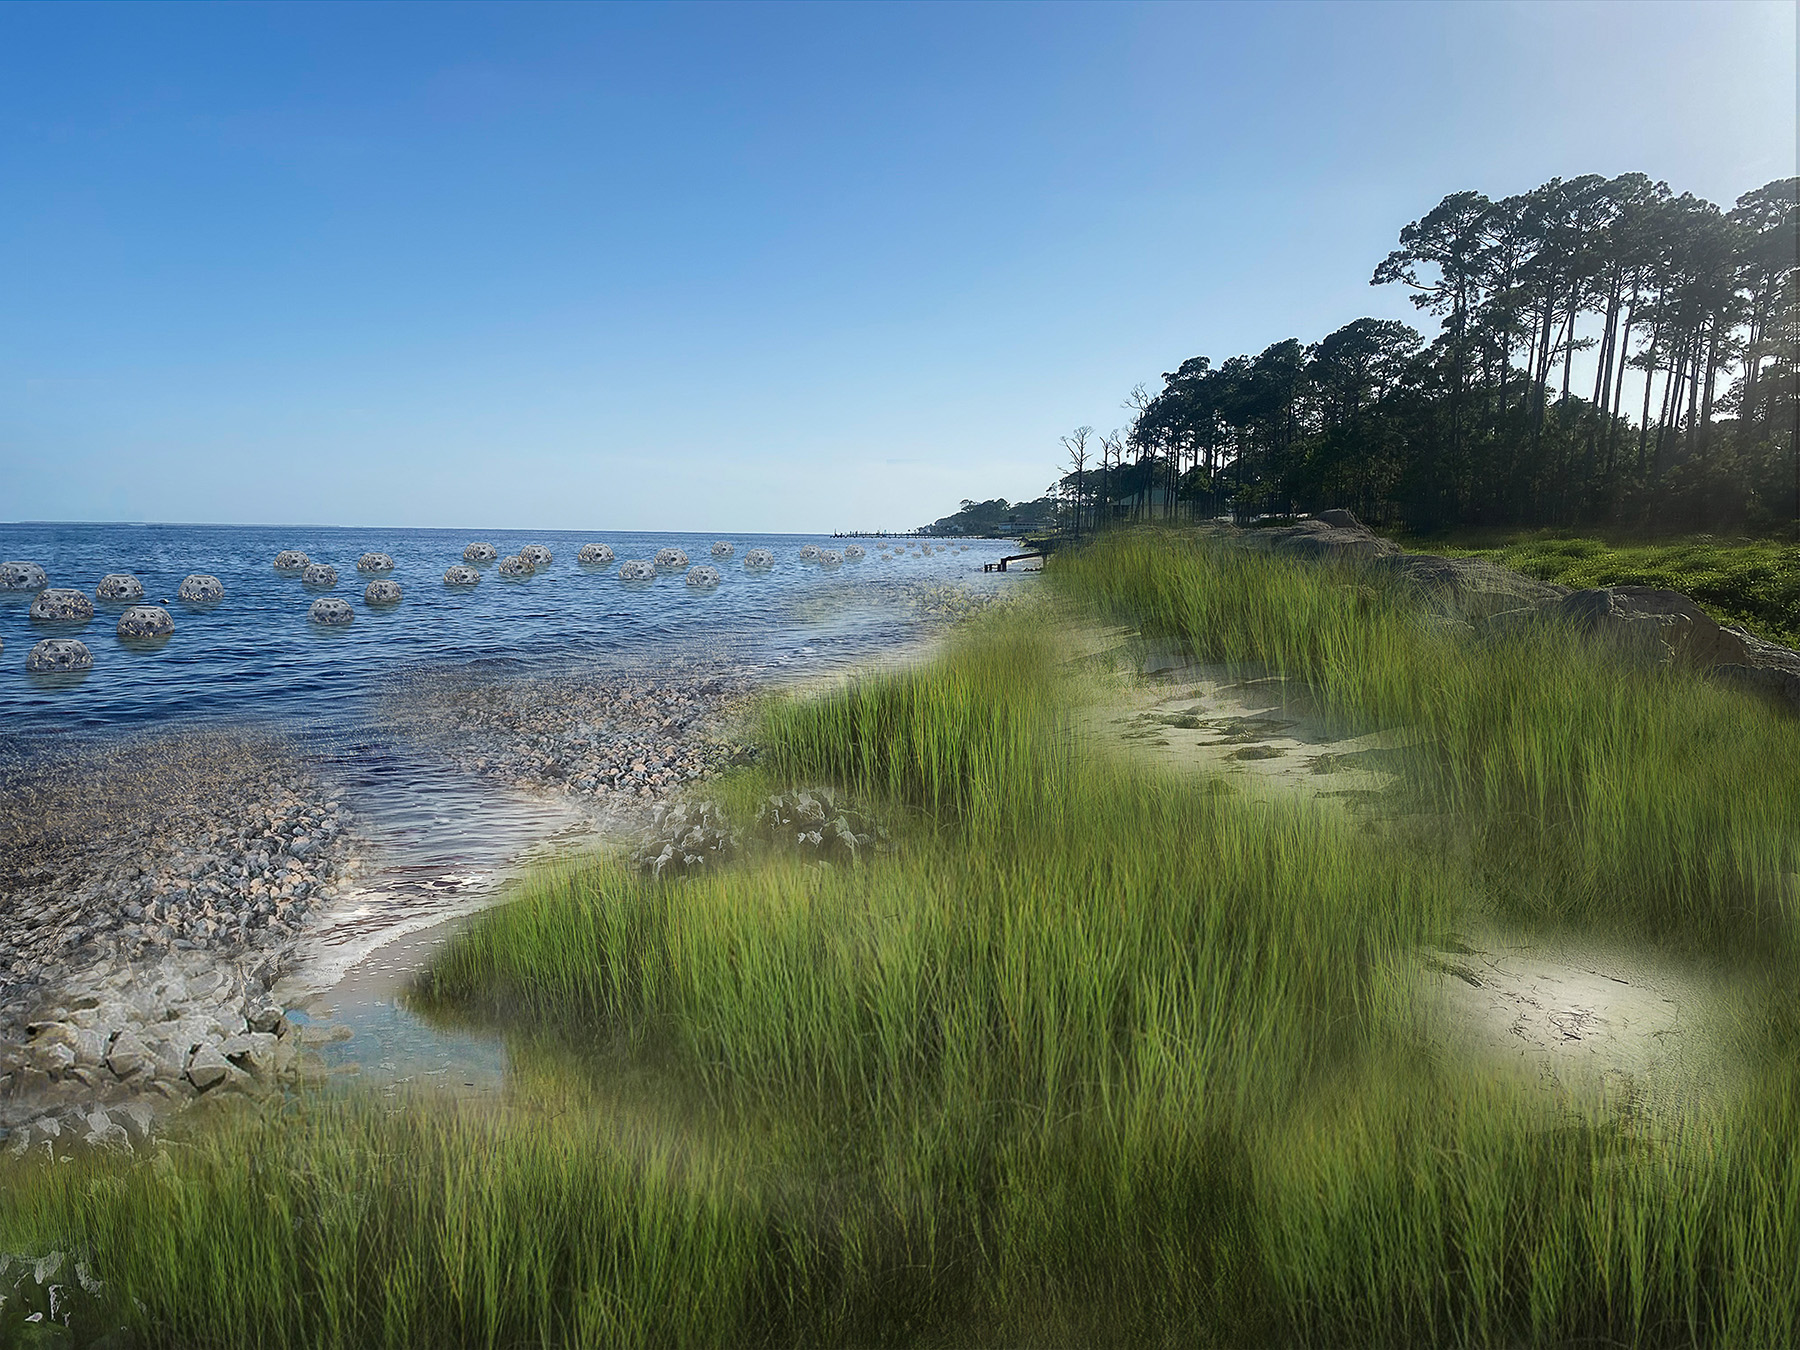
257, 655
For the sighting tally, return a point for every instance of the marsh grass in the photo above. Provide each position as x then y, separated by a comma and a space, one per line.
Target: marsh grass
1097, 1056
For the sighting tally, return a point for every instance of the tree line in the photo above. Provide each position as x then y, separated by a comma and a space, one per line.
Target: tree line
1687, 314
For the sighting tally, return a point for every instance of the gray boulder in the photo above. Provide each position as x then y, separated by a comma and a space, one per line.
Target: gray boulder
1664, 625
331, 612
480, 553
1467, 588
201, 588
375, 562
537, 555
723, 549
145, 622
516, 566
636, 569
22, 576
594, 555
382, 593
461, 575
1334, 535
119, 586
60, 604
703, 577
671, 557
759, 560
56, 655
291, 560
321, 576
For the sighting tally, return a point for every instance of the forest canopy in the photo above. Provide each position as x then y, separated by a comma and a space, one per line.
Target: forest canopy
1606, 352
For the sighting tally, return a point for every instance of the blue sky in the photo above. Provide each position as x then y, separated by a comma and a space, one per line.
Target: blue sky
736, 267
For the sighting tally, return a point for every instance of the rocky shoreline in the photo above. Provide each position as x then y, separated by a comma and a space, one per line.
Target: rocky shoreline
153, 892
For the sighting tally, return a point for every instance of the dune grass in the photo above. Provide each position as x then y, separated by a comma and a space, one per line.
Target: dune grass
1096, 1056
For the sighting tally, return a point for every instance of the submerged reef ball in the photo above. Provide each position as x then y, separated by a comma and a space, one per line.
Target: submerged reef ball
119, 586
145, 621
670, 557
855, 553
594, 554
22, 576
375, 562
291, 560
703, 576
759, 560
723, 549
201, 588
54, 654
322, 575
382, 593
537, 555
830, 557
460, 575
810, 553
59, 604
331, 611
636, 569
516, 566
480, 553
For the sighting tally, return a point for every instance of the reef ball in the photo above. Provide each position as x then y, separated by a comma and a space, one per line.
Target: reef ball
382, 593
54, 654
375, 562
703, 576
671, 557
594, 554
480, 553
537, 555
637, 570
516, 566
322, 575
201, 588
331, 611
119, 586
723, 549
291, 560
22, 576
59, 604
461, 576
759, 560
145, 621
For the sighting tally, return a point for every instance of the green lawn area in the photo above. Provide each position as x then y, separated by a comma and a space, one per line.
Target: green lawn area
1751, 582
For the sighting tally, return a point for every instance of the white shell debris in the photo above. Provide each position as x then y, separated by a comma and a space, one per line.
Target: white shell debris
382, 593
636, 569
703, 576
375, 562
142, 622
331, 611
201, 588
459, 575
59, 654
480, 553
759, 560
60, 604
595, 555
22, 576
119, 586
